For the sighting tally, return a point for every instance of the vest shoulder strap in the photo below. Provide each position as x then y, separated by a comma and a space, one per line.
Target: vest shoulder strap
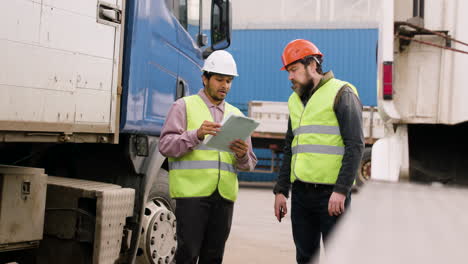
340, 84
192, 99
229, 108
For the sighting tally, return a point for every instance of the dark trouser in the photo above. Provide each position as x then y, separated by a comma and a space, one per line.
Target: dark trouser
203, 226
310, 218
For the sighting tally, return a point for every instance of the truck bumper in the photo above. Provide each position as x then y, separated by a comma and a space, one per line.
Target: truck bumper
390, 159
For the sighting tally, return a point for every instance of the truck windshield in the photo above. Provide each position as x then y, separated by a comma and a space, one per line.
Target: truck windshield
189, 11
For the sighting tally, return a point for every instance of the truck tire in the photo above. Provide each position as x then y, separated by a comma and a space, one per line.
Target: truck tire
158, 241
364, 172
160, 190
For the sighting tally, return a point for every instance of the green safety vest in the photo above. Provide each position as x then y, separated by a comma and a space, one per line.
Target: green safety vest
201, 171
317, 146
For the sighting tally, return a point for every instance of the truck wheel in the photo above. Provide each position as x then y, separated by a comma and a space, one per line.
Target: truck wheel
160, 190
364, 172
158, 241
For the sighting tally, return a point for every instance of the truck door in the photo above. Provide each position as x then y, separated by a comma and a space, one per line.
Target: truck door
190, 59
150, 65
59, 63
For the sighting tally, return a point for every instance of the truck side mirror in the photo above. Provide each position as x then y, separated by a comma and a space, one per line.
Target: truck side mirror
220, 24
202, 39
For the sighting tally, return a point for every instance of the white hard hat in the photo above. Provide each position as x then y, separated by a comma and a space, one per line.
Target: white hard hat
221, 62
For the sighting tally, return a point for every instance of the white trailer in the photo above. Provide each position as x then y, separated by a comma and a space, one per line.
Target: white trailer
422, 92
421, 99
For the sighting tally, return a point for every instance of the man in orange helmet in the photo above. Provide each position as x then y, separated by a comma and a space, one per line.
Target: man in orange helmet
324, 145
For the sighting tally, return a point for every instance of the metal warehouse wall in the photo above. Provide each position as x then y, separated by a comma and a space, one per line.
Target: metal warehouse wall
305, 14
350, 53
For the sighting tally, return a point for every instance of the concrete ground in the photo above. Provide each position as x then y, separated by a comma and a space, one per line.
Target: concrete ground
256, 236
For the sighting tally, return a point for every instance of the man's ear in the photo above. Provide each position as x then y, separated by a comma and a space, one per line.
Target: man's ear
312, 68
205, 80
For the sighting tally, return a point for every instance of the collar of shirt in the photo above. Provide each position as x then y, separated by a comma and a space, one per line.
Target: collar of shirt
217, 111
326, 77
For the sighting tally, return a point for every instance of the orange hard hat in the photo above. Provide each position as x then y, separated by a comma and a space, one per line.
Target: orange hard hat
298, 49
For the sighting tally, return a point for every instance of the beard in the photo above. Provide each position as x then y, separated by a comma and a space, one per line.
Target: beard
213, 93
302, 88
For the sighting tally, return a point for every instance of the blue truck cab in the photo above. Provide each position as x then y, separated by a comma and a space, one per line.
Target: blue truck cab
163, 57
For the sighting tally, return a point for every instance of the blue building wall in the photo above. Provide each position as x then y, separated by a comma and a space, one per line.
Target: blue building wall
350, 53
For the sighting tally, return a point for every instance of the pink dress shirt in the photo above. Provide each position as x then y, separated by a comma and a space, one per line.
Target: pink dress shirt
175, 140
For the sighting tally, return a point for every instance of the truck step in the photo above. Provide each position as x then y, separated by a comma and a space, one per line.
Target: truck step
113, 205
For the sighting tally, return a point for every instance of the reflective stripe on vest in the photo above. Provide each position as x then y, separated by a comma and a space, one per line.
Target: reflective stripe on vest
201, 171
317, 146
201, 164
321, 149
332, 130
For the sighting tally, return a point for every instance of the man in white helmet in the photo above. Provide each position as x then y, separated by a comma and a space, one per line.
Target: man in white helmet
204, 181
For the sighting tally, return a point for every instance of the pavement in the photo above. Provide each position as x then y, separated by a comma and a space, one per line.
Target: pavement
256, 236
403, 223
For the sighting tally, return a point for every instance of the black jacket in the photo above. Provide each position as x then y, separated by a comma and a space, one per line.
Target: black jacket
348, 111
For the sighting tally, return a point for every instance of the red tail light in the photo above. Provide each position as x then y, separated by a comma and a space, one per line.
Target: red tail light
387, 80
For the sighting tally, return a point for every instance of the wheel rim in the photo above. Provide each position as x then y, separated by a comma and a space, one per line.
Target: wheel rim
158, 241
365, 174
